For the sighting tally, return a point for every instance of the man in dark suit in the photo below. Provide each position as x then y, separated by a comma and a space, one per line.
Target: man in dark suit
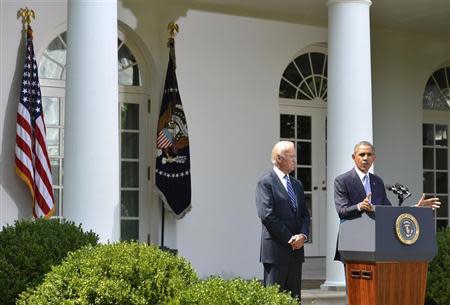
357, 191
280, 202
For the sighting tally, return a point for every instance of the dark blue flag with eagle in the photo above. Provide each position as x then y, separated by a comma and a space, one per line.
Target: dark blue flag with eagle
173, 169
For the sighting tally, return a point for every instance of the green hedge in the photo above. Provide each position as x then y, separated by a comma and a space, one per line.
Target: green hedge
122, 273
217, 291
29, 249
438, 280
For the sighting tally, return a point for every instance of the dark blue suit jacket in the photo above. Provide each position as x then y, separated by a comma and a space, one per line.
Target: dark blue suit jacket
349, 191
279, 221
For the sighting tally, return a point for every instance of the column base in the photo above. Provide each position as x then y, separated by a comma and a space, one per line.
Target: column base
333, 286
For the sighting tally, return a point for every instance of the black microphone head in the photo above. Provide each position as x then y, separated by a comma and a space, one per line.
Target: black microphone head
402, 187
389, 187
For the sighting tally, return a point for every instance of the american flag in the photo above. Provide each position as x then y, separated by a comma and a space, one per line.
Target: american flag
32, 162
164, 140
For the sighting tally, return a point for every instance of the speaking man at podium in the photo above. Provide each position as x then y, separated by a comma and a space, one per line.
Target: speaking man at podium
357, 191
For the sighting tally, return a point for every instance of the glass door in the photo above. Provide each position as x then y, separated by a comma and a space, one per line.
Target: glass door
305, 127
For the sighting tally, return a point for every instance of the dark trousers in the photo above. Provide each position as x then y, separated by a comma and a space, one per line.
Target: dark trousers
288, 276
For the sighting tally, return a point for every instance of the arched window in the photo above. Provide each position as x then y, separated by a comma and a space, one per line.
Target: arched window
437, 91
435, 146
133, 103
305, 78
53, 62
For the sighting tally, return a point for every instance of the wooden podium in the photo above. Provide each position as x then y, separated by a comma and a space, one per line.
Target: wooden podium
386, 255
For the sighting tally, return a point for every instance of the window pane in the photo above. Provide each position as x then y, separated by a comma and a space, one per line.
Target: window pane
439, 76
304, 127
441, 135
56, 196
304, 175
428, 182
292, 75
130, 203
443, 210
311, 85
53, 141
307, 91
129, 229
427, 134
129, 76
303, 64
125, 57
57, 51
441, 158
317, 60
130, 145
287, 90
55, 171
130, 116
49, 69
287, 126
428, 158
304, 153
51, 110
432, 98
64, 37
441, 183
130, 174
128, 68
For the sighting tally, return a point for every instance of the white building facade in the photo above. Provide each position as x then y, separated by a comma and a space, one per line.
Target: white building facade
324, 77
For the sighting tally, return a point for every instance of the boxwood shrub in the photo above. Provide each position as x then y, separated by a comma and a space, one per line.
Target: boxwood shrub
121, 273
217, 291
438, 280
29, 248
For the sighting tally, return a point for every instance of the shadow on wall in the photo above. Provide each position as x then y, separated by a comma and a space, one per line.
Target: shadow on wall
12, 184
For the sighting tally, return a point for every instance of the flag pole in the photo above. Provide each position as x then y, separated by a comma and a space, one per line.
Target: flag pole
173, 29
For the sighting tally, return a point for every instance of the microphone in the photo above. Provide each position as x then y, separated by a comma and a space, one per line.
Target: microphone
404, 190
400, 190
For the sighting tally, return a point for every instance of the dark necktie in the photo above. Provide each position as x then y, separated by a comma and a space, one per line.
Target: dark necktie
291, 193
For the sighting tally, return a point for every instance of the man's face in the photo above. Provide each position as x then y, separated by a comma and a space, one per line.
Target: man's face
363, 158
288, 160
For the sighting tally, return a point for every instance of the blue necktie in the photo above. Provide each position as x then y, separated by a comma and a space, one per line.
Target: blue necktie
366, 184
291, 193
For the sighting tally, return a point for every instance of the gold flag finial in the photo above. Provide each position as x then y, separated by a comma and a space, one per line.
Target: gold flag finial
26, 14
173, 29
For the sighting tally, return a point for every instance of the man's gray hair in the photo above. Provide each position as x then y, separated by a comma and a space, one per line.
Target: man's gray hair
279, 149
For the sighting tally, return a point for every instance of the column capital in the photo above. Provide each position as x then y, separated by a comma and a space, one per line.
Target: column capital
334, 2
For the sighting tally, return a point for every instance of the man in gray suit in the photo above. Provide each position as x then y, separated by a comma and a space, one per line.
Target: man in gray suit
357, 191
280, 202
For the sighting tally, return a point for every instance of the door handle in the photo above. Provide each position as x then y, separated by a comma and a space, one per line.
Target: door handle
315, 188
324, 188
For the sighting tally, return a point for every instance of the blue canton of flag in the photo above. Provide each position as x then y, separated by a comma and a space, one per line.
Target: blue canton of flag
173, 170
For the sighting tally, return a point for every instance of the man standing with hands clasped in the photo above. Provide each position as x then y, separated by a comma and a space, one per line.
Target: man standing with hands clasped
280, 202
357, 191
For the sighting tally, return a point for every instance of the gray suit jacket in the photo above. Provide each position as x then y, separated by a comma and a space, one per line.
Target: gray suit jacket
279, 221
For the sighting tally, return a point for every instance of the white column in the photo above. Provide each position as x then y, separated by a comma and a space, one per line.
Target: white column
91, 148
349, 106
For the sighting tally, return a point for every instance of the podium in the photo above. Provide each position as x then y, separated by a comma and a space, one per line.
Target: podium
386, 255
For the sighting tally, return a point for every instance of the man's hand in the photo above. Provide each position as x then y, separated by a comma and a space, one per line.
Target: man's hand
365, 205
434, 202
297, 241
